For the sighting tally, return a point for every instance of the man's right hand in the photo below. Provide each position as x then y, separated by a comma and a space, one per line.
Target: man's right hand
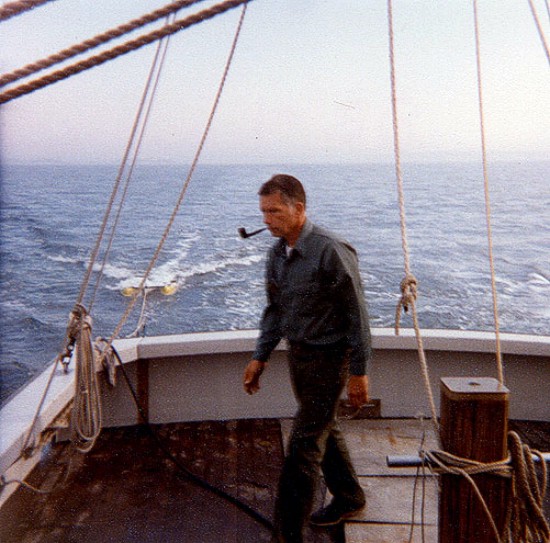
251, 378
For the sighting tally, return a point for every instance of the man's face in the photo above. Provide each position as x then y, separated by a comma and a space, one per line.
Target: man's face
282, 219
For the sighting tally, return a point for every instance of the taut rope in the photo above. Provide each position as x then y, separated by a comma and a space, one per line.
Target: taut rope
409, 283
500, 369
96, 41
539, 27
16, 8
119, 50
186, 182
142, 118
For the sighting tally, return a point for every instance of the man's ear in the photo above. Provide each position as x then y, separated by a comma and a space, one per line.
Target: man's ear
300, 207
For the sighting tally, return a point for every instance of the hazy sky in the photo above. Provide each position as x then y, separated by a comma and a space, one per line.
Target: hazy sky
309, 83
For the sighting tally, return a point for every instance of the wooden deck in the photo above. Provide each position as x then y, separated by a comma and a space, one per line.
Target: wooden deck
128, 490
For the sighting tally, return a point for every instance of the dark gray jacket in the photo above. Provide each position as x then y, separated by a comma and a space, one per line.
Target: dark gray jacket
315, 296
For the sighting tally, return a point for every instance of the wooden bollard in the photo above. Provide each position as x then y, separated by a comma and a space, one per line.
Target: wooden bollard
474, 425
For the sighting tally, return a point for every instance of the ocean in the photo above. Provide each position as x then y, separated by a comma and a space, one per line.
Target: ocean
50, 217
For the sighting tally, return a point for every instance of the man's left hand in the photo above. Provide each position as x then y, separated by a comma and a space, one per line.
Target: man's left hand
358, 390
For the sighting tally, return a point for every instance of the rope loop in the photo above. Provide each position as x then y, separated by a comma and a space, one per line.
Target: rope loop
86, 413
409, 292
528, 522
448, 463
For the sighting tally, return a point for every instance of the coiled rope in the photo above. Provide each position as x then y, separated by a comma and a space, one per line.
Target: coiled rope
94, 42
119, 50
409, 283
11, 9
86, 414
526, 522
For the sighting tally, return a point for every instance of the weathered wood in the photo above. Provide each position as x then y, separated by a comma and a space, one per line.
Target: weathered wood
474, 420
127, 490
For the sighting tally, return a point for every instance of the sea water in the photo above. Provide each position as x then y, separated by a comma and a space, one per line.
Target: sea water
51, 216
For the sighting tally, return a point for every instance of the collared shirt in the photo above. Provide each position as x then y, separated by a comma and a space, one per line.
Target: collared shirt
315, 297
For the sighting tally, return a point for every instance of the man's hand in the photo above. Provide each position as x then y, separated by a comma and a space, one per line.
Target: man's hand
358, 390
251, 378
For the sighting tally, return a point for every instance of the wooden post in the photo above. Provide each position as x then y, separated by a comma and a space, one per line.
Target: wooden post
474, 425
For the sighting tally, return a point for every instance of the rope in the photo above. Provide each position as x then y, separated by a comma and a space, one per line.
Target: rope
117, 51
86, 408
142, 317
539, 27
105, 354
186, 184
94, 42
16, 8
525, 521
528, 522
27, 449
409, 289
500, 368
454, 465
149, 93
409, 283
86, 414
423, 496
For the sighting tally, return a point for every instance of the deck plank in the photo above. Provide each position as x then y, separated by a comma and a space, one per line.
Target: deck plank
126, 490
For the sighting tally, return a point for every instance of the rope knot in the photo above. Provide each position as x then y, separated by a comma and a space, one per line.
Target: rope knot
78, 318
409, 289
106, 358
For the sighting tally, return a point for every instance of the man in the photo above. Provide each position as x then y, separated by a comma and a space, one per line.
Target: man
316, 302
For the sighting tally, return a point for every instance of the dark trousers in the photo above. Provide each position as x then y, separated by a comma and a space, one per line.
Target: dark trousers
316, 443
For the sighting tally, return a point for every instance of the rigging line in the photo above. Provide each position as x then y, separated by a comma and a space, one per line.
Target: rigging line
142, 317
500, 369
26, 442
119, 50
94, 42
408, 285
116, 186
188, 179
539, 27
20, 6
148, 93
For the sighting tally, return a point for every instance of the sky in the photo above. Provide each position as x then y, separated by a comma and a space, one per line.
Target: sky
309, 83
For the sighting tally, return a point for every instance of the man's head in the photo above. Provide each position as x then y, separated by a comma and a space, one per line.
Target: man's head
283, 205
